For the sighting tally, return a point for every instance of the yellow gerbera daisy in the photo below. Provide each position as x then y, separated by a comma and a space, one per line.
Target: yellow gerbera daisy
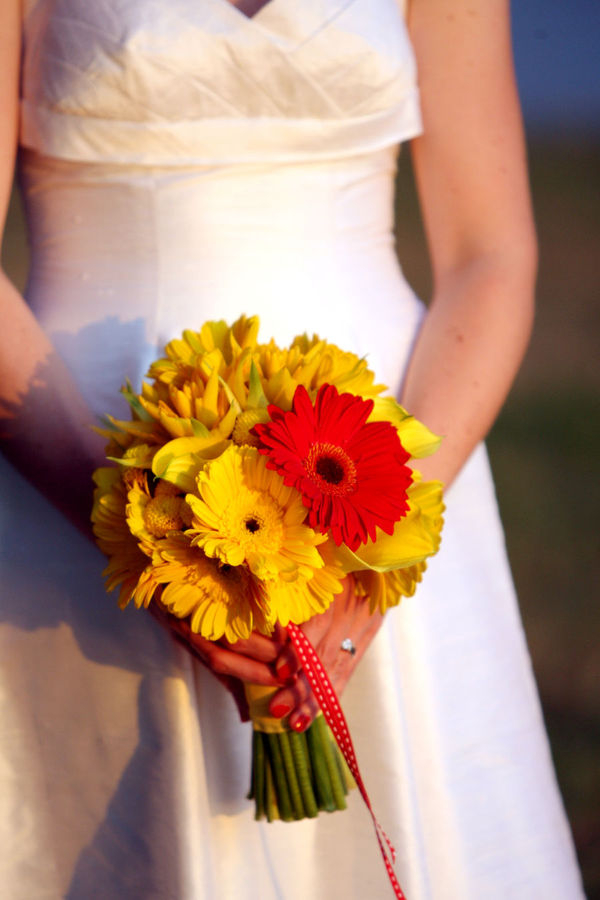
244, 513
221, 600
151, 517
298, 600
128, 566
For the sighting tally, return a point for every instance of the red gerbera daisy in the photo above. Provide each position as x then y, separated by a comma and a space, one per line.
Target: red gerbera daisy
351, 473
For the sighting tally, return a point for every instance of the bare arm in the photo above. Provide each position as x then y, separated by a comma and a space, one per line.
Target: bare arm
44, 422
472, 180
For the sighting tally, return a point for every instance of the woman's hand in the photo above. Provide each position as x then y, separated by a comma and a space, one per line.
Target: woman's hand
272, 661
347, 617
253, 660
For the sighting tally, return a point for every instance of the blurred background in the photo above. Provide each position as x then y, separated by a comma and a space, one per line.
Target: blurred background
544, 445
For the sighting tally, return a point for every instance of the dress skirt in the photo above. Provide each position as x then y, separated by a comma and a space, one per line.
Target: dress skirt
124, 768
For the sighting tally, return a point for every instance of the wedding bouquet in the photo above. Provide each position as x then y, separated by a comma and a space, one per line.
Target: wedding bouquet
248, 483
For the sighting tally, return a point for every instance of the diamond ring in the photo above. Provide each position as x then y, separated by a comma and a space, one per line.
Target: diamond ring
348, 645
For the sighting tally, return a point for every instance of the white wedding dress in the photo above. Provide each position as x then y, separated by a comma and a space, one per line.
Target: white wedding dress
181, 162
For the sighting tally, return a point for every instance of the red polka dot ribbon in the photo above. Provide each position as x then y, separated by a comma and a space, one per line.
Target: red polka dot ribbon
330, 706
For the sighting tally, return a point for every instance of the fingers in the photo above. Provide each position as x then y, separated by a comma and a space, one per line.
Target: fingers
250, 660
287, 665
347, 617
257, 646
225, 662
291, 697
272, 661
297, 702
301, 718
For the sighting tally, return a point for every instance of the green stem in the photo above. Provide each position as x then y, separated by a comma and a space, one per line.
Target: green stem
291, 774
283, 795
299, 750
329, 749
345, 773
270, 794
320, 771
258, 774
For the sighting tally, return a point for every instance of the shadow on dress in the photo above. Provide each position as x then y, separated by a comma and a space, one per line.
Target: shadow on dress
53, 603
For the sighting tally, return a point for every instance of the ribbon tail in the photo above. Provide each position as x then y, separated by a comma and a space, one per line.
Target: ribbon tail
330, 706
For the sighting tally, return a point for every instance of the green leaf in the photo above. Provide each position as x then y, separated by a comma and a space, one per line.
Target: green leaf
133, 400
198, 429
256, 394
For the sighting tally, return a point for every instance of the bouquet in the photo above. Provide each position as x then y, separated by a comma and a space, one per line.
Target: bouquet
248, 483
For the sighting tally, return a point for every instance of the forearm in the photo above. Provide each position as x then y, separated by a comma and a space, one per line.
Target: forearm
44, 422
467, 354
471, 173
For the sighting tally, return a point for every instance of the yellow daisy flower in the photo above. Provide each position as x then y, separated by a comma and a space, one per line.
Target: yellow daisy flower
128, 567
245, 422
244, 513
221, 600
298, 600
151, 517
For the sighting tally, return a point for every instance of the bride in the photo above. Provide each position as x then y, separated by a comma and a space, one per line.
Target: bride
191, 160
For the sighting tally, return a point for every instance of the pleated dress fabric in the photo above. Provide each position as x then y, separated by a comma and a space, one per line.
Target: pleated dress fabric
181, 162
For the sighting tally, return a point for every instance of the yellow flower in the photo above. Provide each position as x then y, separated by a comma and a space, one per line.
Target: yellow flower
311, 363
195, 404
128, 566
214, 347
152, 517
180, 460
414, 436
298, 600
245, 422
346, 371
386, 589
244, 513
221, 600
415, 539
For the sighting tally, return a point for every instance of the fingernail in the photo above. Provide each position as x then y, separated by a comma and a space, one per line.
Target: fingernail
301, 723
284, 672
279, 710
285, 676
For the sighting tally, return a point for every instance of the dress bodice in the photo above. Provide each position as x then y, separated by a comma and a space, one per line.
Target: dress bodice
180, 160
190, 82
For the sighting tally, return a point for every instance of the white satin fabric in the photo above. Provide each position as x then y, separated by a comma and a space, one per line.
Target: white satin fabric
123, 765
183, 82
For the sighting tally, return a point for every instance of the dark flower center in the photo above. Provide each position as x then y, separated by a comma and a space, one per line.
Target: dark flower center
330, 470
252, 525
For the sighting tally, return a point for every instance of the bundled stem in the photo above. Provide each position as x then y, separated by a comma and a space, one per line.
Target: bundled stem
294, 776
